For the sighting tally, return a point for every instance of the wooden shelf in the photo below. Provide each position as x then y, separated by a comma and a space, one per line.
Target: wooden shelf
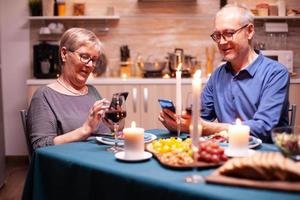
114, 17
276, 17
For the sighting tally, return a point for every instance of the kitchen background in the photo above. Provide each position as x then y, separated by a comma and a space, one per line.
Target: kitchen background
149, 28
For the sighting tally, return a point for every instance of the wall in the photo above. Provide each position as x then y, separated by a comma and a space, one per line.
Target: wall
15, 70
149, 28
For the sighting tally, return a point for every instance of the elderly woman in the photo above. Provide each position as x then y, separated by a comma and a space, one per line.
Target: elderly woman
69, 110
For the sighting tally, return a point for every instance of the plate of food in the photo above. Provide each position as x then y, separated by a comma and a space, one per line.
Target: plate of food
177, 153
110, 140
222, 139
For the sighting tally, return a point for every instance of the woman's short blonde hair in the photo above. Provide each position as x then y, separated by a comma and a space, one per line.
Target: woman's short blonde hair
74, 38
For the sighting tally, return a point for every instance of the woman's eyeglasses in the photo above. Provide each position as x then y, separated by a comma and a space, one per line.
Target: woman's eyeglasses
85, 58
226, 35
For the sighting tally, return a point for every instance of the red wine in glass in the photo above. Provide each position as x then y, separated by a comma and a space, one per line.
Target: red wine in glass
189, 110
115, 115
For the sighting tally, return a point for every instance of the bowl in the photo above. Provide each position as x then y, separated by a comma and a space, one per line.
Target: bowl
287, 139
153, 66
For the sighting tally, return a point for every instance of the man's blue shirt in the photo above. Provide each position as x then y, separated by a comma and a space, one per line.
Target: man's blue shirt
258, 95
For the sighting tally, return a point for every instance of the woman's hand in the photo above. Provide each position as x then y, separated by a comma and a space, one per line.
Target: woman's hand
96, 113
168, 119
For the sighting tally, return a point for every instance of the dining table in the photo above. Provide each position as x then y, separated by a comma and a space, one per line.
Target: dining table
85, 170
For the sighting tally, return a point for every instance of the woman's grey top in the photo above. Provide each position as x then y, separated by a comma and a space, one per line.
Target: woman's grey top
52, 113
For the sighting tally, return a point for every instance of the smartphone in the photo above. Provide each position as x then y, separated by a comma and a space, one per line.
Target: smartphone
113, 100
167, 104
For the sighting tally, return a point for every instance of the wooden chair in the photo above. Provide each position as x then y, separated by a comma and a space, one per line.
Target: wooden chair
292, 114
23, 114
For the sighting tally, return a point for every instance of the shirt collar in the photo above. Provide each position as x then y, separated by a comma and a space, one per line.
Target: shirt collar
251, 68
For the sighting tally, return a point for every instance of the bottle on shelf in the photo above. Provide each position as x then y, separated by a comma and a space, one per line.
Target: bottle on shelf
61, 7
48, 7
35, 7
139, 65
281, 8
125, 65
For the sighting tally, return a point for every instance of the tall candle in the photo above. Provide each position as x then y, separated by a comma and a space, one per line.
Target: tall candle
134, 141
238, 138
196, 88
178, 90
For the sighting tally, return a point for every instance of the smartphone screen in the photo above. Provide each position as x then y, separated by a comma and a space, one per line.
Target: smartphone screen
167, 104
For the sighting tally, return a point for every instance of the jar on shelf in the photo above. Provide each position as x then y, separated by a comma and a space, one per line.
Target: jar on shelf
281, 8
48, 7
61, 7
78, 9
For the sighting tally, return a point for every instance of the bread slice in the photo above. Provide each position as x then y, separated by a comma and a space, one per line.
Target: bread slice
262, 166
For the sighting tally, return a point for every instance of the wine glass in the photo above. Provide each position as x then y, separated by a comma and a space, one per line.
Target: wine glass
115, 113
188, 103
195, 134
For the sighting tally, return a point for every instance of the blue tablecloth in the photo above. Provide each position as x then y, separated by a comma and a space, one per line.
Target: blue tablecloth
85, 170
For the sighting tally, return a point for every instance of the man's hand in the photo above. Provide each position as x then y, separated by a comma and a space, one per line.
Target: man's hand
168, 119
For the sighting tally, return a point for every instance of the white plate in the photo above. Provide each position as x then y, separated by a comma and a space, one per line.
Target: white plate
110, 141
229, 153
121, 156
252, 144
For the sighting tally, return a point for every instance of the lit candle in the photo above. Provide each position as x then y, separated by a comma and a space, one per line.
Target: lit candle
166, 76
238, 138
178, 90
196, 89
134, 141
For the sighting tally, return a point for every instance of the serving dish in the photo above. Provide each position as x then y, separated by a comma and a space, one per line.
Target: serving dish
165, 160
287, 140
267, 170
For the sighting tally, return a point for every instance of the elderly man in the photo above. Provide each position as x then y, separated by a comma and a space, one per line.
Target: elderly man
249, 86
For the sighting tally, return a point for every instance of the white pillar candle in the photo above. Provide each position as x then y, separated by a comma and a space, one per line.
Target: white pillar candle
196, 89
238, 138
134, 141
178, 90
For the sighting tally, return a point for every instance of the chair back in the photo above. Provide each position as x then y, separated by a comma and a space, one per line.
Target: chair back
23, 114
292, 114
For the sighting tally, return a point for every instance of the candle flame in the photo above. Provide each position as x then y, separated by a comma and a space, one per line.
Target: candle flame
179, 67
124, 76
166, 76
191, 128
197, 74
238, 121
133, 124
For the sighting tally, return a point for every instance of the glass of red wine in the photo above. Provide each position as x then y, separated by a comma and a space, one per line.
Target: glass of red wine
115, 113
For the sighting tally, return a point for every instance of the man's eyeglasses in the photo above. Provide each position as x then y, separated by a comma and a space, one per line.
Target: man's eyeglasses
85, 58
226, 35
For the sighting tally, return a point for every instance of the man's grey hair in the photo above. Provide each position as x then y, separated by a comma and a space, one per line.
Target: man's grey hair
245, 15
